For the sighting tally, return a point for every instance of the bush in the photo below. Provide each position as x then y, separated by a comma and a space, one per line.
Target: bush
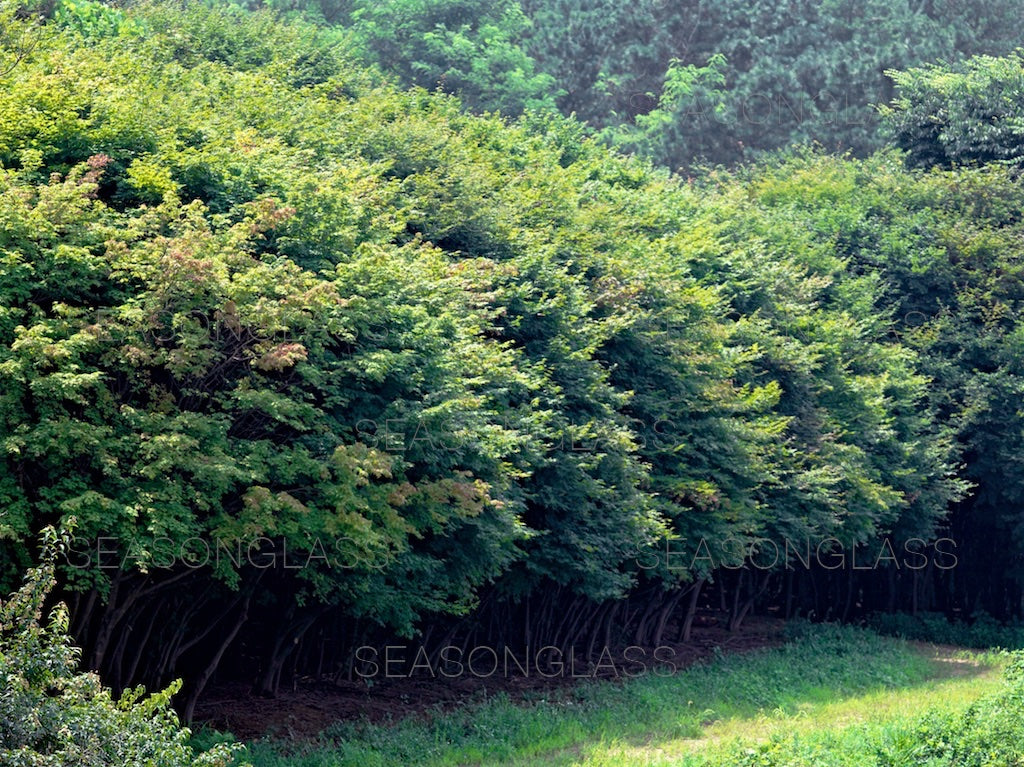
51, 714
982, 631
967, 114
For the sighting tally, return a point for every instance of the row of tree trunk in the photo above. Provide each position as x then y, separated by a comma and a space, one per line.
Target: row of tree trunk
152, 630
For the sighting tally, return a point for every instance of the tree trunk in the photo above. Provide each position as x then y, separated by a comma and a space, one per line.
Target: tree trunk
211, 667
691, 609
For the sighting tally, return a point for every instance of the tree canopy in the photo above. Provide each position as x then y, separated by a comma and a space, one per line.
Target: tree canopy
261, 305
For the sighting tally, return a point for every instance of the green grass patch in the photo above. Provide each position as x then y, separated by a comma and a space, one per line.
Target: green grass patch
856, 725
720, 710
958, 723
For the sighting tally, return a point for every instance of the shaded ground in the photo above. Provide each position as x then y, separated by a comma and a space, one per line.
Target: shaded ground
312, 705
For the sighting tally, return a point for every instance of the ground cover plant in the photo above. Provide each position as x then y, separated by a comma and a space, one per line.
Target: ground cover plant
724, 712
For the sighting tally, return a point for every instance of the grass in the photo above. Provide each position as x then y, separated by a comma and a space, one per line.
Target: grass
835, 725
831, 687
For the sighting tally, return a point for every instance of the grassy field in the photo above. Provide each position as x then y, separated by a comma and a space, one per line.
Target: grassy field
832, 696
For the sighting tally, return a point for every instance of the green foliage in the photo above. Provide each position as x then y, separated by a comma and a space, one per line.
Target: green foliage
982, 631
249, 293
794, 72
89, 18
605, 56
968, 114
781, 73
855, 430
467, 47
945, 251
208, 338
54, 716
225, 282
668, 128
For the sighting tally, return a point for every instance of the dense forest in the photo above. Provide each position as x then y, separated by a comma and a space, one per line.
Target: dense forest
324, 323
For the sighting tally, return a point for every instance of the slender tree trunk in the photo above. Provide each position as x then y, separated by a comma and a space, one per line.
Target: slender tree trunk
788, 611
691, 609
666, 613
849, 595
114, 613
741, 611
211, 667
83, 615
140, 648
287, 642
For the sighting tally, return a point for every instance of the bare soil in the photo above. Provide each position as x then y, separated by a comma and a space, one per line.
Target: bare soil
311, 705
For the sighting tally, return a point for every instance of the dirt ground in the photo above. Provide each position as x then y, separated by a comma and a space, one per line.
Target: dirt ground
310, 705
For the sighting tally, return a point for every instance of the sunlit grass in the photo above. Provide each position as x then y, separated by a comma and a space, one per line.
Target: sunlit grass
827, 682
816, 714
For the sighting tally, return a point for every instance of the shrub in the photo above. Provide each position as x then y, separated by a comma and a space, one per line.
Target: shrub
53, 715
966, 114
981, 631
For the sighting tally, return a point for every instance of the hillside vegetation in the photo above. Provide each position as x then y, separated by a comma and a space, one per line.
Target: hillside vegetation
316, 361
681, 82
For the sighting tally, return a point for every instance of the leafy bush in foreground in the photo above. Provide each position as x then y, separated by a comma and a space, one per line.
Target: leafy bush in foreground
53, 715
